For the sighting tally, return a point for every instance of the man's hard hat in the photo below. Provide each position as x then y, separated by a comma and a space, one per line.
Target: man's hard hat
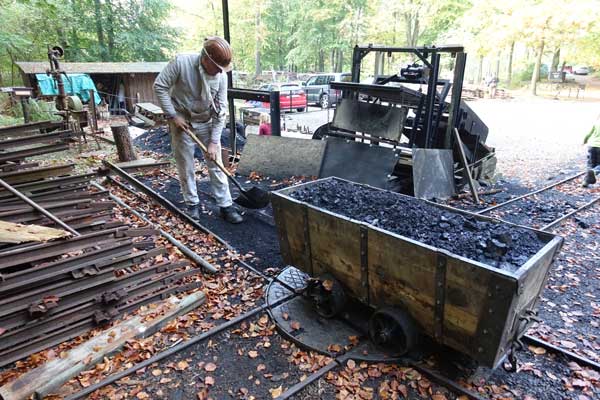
219, 52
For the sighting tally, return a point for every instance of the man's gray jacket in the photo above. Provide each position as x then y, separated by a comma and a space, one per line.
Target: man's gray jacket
181, 90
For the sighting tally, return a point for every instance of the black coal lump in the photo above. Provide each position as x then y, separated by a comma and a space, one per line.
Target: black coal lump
500, 245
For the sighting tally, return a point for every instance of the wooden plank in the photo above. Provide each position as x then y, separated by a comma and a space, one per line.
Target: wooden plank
18, 233
465, 165
50, 376
290, 229
402, 273
477, 306
335, 248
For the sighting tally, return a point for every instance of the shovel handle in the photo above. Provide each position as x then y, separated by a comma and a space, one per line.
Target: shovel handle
205, 151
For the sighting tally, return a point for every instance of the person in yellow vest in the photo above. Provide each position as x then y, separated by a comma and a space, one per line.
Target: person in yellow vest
592, 139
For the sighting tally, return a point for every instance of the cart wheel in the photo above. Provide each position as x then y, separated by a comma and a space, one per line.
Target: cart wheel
393, 331
327, 295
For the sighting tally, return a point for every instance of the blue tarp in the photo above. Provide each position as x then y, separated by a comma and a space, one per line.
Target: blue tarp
75, 84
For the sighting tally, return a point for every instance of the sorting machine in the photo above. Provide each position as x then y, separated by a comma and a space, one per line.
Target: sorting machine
412, 109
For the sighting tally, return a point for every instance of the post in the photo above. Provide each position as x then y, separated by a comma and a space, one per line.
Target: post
430, 101
93, 110
123, 142
275, 113
227, 36
25, 108
457, 85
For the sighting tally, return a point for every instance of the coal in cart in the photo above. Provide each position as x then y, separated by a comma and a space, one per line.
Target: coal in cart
479, 305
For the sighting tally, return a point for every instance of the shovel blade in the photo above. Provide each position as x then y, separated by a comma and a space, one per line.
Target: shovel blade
254, 198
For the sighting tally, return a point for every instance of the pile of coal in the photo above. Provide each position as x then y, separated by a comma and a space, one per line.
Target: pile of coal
497, 244
158, 140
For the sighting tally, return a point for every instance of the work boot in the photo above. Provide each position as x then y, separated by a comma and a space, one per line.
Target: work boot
193, 210
231, 215
590, 178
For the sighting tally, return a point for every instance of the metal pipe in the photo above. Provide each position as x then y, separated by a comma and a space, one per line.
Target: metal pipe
227, 37
38, 207
201, 262
275, 111
569, 354
175, 349
442, 380
531, 193
566, 216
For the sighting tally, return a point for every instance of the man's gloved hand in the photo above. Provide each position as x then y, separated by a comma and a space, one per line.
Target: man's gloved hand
213, 149
181, 123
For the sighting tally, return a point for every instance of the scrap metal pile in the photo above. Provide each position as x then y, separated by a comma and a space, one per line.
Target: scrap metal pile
54, 291
27, 140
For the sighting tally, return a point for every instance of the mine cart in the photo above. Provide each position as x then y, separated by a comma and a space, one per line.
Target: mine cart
478, 309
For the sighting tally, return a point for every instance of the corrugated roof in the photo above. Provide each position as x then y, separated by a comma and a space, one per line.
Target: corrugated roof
94, 67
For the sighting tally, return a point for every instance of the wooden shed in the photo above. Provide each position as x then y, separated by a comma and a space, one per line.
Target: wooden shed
136, 77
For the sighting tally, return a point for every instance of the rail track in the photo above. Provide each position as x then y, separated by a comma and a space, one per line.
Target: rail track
552, 211
133, 185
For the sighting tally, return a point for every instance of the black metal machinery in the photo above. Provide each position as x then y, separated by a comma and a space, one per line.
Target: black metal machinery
410, 110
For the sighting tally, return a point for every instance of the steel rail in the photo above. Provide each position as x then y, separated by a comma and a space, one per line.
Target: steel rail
298, 387
201, 262
173, 350
139, 185
486, 210
442, 380
38, 207
568, 354
566, 216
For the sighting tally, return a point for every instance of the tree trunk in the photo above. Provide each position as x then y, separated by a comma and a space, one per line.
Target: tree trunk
100, 30
497, 72
510, 61
536, 69
340, 61
110, 30
257, 66
480, 71
555, 60
125, 149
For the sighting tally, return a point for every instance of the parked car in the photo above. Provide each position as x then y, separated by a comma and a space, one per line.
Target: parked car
581, 70
318, 90
291, 96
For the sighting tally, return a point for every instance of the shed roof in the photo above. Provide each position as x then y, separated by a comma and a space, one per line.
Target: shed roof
94, 67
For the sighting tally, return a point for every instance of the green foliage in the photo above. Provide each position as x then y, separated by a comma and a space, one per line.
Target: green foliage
12, 114
88, 30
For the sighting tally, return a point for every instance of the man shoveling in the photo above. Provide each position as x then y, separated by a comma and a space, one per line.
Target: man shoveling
192, 91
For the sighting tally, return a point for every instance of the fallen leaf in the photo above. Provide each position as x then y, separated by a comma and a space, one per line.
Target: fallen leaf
351, 364
142, 395
568, 344
156, 372
295, 325
210, 367
276, 392
261, 367
209, 380
253, 354
164, 381
182, 365
403, 390
328, 285
537, 350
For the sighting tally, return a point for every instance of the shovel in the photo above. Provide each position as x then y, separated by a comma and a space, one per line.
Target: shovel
252, 198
